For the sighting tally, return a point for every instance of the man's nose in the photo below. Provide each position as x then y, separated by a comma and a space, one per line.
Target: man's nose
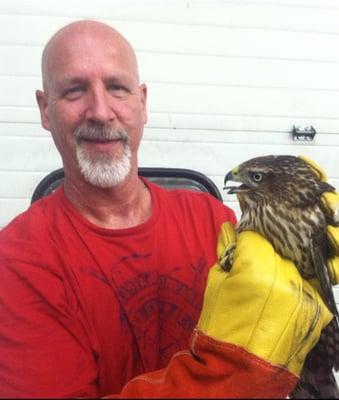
99, 107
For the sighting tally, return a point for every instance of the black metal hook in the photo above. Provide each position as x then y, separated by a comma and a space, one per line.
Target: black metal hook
306, 133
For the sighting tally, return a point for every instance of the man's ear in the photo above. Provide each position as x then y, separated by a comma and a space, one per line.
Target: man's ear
42, 103
143, 94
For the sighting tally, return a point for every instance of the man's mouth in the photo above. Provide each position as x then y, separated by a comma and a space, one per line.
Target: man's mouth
100, 145
100, 135
98, 140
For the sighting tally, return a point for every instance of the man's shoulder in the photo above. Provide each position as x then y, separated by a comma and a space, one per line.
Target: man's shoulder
199, 202
31, 226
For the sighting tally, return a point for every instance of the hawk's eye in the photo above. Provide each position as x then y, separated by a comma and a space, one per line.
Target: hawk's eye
257, 176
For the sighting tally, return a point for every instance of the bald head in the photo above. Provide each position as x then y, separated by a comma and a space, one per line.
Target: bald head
77, 35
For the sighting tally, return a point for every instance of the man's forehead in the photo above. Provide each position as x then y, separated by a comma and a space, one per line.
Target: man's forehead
83, 30
85, 44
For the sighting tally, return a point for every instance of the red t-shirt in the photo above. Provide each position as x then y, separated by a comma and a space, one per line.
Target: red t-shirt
84, 309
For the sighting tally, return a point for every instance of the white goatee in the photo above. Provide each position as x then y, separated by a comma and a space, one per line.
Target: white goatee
104, 170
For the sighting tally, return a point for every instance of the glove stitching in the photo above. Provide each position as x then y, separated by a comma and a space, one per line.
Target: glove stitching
291, 318
308, 334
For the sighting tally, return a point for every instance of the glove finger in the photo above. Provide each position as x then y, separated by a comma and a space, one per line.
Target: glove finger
226, 243
333, 269
333, 238
333, 261
330, 205
315, 167
227, 237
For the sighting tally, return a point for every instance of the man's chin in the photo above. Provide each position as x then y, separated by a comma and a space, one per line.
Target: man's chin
102, 169
105, 176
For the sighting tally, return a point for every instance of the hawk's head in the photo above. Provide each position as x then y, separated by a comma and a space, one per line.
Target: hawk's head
280, 178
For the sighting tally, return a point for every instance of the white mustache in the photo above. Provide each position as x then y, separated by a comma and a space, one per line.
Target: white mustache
97, 132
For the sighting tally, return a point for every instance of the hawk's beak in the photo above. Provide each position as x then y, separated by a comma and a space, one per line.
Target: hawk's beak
230, 176
235, 177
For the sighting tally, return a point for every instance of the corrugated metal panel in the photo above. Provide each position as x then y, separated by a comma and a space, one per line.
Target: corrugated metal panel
227, 81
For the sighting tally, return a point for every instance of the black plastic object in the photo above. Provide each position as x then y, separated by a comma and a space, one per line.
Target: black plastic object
170, 178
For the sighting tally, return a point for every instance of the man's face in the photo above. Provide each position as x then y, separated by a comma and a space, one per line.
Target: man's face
94, 107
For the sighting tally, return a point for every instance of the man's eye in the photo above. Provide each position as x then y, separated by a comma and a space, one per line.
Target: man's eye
73, 92
118, 90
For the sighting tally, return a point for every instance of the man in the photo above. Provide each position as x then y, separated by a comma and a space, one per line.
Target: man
104, 280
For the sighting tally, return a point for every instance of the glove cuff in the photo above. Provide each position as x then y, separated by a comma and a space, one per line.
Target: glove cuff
213, 369
241, 373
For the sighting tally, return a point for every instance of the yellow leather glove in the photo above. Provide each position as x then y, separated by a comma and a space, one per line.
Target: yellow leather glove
330, 205
258, 323
262, 305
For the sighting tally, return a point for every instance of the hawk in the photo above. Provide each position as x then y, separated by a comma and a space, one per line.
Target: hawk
280, 198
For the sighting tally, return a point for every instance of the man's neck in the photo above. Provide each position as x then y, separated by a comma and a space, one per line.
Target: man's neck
123, 206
